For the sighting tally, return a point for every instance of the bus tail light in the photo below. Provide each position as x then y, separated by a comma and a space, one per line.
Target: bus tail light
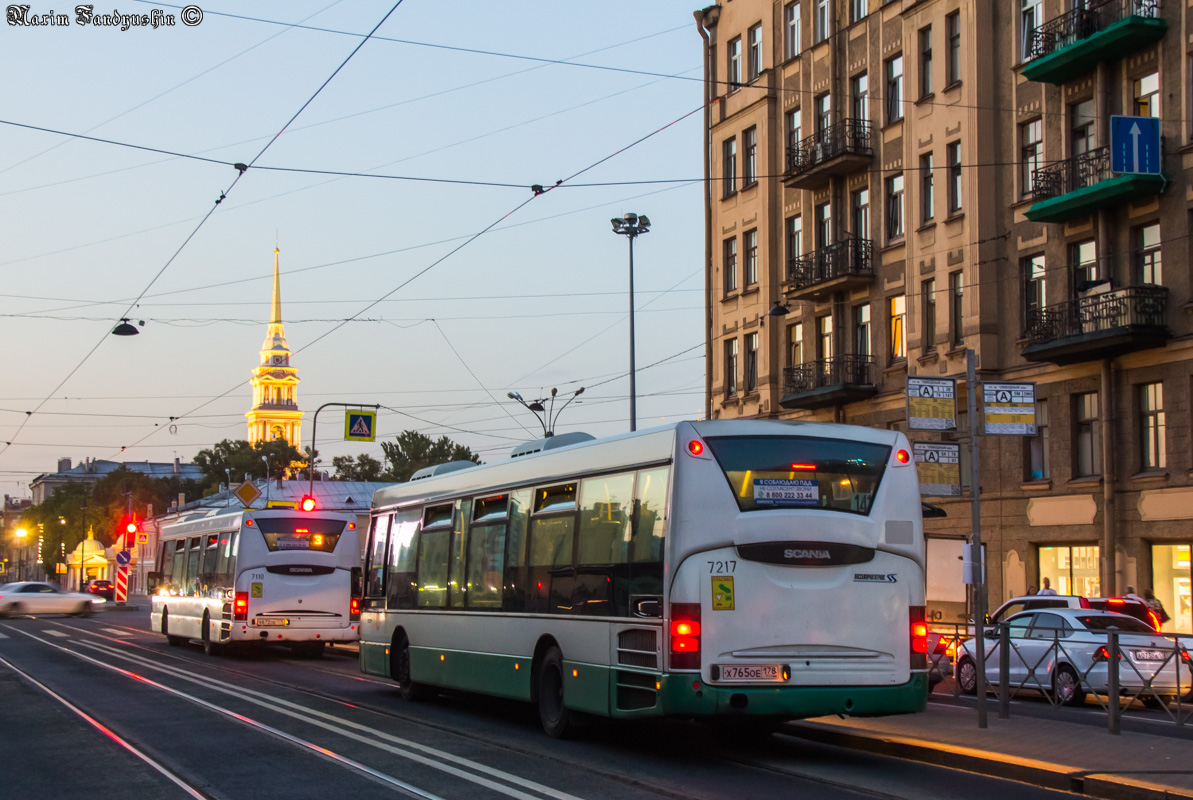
354, 609
919, 638
240, 606
685, 636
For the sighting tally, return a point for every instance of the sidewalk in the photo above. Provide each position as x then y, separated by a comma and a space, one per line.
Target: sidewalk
1049, 753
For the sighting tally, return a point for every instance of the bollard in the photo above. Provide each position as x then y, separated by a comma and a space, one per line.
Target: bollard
1112, 681
1004, 668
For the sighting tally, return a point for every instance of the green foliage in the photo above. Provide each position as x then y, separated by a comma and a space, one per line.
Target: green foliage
361, 468
241, 459
412, 451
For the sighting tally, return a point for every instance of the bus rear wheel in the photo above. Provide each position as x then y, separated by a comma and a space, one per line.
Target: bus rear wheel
554, 715
411, 692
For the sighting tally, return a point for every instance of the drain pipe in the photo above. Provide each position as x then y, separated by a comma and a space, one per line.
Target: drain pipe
706, 19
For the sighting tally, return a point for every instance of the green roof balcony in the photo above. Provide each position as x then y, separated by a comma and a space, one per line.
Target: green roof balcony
1072, 44
1078, 186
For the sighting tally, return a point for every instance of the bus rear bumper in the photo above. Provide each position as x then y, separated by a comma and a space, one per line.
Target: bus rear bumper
687, 695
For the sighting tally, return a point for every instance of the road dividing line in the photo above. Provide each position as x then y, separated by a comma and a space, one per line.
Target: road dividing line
59, 634
3, 636
117, 632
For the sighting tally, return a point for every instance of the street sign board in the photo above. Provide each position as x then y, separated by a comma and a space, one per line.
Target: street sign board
123, 557
142, 538
1009, 408
931, 404
360, 426
939, 468
247, 493
1135, 145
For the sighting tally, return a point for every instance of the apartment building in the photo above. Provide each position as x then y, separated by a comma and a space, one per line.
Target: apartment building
894, 183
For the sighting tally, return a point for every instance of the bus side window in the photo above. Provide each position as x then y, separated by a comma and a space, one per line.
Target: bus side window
458, 580
645, 572
375, 569
433, 546
603, 544
404, 533
166, 566
194, 553
515, 552
178, 579
208, 580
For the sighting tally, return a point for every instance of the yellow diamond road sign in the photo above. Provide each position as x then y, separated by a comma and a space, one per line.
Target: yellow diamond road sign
246, 493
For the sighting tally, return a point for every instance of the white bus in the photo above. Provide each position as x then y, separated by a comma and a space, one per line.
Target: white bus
277, 576
737, 568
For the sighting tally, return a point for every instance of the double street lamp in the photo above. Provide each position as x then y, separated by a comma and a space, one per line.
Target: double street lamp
547, 415
630, 226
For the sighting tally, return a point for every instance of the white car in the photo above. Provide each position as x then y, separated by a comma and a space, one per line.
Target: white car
35, 597
1063, 652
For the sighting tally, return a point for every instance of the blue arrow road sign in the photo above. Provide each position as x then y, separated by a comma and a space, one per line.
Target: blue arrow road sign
1135, 145
123, 557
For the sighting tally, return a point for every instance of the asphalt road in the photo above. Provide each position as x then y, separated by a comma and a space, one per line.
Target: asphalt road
102, 708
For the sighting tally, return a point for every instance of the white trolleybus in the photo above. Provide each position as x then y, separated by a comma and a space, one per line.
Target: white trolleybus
742, 568
276, 576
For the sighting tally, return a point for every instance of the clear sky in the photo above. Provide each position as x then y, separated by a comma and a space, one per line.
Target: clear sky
538, 301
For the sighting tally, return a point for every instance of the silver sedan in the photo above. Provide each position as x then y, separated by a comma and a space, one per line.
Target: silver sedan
36, 597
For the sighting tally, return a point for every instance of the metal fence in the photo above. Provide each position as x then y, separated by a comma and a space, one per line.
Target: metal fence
847, 136
1134, 307
1079, 172
1084, 21
848, 369
852, 256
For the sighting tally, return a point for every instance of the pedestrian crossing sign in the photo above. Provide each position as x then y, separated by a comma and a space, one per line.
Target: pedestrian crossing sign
360, 426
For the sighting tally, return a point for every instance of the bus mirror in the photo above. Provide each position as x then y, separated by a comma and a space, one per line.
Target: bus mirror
647, 606
357, 582
152, 579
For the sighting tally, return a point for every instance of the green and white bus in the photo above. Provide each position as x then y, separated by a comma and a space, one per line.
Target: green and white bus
745, 568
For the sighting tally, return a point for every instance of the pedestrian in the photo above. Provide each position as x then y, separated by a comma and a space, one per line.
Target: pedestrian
1130, 595
1155, 605
1031, 589
1047, 588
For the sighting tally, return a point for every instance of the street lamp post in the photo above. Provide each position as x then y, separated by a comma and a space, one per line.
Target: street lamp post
22, 535
630, 226
547, 415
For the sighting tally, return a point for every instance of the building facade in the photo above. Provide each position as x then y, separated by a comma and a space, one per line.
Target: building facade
275, 413
894, 183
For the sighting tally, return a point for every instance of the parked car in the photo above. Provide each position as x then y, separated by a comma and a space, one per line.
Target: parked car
1063, 652
1133, 608
102, 588
1035, 601
941, 650
36, 597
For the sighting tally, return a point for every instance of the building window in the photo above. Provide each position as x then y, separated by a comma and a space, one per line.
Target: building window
927, 200
791, 25
860, 90
1037, 466
794, 128
734, 63
897, 311
1151, 426
731, 367
1147, 254
860, 205
952, 64
749, 174
861, 330
1087, 436
894, 207
751, 362
751, 247
729, 166
755, 53
1071, 570
857, 10
894, 89
1147, 96
730, 264
824, 112
956, 307
1031, 152
1031, 17
1083, 263
824, 226
954, 161
1081, 128
824, 337
925, 61
795, 344
795, 232
822, 20
928, 301
1031, 271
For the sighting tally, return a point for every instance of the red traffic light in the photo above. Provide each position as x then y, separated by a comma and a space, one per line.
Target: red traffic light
131, 527
307, 503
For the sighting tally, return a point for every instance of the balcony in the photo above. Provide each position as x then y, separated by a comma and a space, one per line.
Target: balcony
1081, 185
1099, 326
828, 382
838, 149
1072, 44
840, 267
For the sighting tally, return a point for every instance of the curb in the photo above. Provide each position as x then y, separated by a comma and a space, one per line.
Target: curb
1037, 773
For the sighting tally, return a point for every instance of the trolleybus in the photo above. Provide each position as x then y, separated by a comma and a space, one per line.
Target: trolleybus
745, 568
274, 576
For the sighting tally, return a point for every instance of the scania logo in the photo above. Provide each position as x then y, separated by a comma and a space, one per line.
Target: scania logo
820, 554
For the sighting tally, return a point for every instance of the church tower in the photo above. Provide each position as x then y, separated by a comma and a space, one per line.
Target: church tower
275, 413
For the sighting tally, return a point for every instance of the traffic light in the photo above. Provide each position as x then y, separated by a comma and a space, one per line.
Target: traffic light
131, 527
307, 503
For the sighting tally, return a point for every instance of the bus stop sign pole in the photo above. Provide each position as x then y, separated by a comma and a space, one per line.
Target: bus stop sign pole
977, 577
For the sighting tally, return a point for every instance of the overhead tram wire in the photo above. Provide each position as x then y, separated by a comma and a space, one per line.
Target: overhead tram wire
540, 191
239, 174
499, 404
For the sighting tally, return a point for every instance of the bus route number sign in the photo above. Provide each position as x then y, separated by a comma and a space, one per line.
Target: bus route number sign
785, 492
1009, 408
931, 404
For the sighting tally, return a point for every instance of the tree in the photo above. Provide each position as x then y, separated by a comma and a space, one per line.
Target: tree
412, 451
237, 459
362, 468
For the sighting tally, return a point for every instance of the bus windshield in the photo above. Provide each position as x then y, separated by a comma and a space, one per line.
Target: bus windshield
769, 472
300, 533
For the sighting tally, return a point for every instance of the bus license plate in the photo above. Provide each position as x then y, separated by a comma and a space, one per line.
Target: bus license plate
1150, 655
269, 622
752, 672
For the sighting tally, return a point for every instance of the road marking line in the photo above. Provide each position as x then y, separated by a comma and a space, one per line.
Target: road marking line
59, 634
117, 632
3, 636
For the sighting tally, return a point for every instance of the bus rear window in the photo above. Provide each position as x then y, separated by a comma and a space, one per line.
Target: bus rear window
300, 533
769, 472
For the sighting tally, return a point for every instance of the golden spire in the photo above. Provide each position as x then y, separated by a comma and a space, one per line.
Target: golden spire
276, 316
